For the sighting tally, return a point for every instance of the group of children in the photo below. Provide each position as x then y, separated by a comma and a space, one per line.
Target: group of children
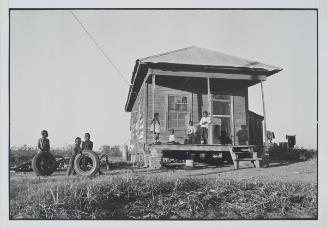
43, 145
190, 131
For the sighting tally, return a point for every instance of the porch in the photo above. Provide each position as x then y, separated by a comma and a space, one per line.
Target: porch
156, 153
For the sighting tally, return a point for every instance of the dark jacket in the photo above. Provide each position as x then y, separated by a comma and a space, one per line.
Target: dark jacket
87, 145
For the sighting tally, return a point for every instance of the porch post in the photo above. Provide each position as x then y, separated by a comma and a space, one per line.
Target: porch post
145, 113
264, 114
210, 133
153, 90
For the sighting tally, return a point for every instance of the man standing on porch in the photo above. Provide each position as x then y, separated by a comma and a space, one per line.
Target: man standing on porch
204, 124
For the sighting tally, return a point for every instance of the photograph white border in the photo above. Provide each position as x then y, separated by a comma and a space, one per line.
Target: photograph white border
4, 139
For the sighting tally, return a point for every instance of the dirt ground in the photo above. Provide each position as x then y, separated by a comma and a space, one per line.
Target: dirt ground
282, 171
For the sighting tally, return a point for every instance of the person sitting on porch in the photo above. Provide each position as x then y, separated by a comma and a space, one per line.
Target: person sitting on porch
172, 138
242, 135
204, 124
155, 127
224, 138
190, 133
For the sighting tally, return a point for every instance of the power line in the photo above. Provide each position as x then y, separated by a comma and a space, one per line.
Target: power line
99, 47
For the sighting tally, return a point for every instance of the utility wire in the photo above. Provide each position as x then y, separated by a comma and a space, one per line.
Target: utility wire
99, 47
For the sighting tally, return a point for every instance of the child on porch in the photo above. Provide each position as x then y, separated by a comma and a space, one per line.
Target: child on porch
191, 130
204, 124
155, 128
172, 138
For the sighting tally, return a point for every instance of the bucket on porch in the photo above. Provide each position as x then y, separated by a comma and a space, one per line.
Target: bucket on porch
189, 163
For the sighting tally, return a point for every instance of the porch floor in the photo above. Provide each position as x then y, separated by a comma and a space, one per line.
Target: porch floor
195, 147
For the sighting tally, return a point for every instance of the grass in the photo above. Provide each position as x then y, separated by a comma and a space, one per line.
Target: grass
134, 196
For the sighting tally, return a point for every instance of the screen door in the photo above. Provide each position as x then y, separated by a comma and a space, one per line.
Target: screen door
222, 109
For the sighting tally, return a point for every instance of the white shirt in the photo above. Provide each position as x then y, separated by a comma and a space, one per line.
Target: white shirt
204, 122
171, 138
191, 130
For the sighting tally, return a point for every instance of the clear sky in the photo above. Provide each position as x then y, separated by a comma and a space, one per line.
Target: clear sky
61, 82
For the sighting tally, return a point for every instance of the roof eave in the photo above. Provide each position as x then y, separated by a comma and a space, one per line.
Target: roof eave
139, 62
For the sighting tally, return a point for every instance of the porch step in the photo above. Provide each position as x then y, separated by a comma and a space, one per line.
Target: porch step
244, 152
248, 159
235, 152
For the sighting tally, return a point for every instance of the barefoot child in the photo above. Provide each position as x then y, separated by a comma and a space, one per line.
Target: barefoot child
43, 144
77, 150
155, 127
204, 124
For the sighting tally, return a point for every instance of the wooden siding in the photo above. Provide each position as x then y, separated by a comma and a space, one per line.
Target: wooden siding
137, 124
197, 98
161, 106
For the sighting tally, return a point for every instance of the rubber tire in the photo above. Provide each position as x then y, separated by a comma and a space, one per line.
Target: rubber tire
95, 160
36, 165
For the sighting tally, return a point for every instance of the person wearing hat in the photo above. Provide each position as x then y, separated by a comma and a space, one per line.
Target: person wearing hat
43, 144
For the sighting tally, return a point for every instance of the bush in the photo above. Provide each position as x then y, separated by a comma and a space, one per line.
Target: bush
23, 154
298, 153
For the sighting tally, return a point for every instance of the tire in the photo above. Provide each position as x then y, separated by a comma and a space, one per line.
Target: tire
87, 163
44, 164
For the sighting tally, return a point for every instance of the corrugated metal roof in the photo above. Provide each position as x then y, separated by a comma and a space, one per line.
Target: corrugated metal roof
200, 56
198, 59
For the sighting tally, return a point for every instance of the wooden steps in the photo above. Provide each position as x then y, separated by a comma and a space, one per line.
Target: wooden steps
244, 153
248, 159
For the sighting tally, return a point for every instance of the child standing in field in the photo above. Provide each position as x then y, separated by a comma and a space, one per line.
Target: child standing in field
155, 127
77, 150
190, 133
43, 144
204, 124
87, 144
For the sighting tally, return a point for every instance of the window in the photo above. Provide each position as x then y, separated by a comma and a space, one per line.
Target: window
177, 111
221, 105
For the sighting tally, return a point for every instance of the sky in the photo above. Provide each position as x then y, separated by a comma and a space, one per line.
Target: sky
60, 81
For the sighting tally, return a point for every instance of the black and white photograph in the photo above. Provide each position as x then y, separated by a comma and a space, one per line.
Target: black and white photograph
163, 114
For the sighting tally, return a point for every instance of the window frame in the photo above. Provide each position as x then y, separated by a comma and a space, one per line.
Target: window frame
186, 113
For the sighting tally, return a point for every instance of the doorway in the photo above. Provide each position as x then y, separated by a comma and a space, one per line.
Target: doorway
222, 119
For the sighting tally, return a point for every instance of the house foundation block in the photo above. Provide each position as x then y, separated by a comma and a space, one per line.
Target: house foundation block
155, 159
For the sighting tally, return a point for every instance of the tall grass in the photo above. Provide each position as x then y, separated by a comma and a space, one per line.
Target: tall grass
148, 197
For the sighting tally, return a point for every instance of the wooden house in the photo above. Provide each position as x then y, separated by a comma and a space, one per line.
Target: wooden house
180, 85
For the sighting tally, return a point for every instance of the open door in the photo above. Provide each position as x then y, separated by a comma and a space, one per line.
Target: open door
222, 119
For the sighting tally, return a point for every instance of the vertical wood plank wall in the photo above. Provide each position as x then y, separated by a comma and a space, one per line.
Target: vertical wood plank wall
199, 104
137, 129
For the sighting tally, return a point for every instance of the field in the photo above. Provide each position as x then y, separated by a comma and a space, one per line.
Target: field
284, 190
